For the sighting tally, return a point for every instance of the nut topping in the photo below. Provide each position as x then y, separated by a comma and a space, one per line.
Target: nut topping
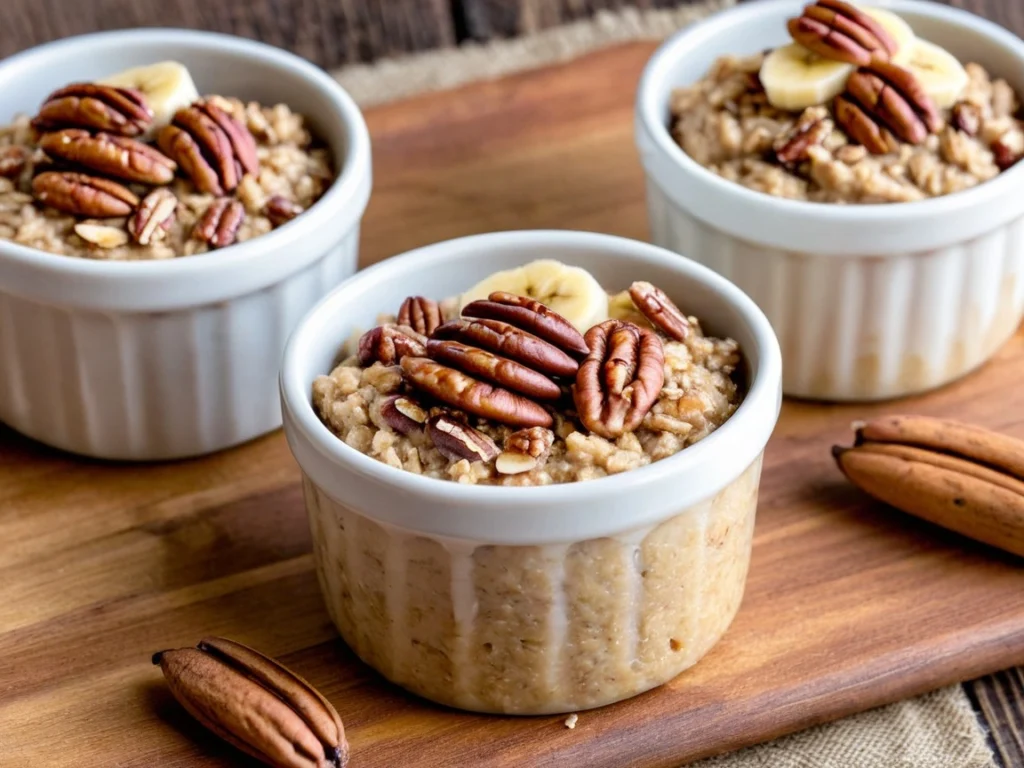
836, 30
487, 365
472, 396
1004, 155
532, 317
154, 216
533, 441
388, 344
83, 195
256, 704
660, 310
101, 235
891, 98
457, 441
811, 130
966, 117
219, 224
511, 342
403, 414
620, 379
421, 314
861, 128
121, 111
116, 156
12, 161
512, 463
280, 210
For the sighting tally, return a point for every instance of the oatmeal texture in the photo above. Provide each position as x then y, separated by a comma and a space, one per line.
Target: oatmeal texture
535, 629
291, 165
725, 123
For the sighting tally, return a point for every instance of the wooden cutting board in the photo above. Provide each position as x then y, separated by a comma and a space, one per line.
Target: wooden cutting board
849, 604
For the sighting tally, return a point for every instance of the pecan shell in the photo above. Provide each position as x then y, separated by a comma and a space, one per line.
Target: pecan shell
836, 30
121, 111
891, 97
621, 378
12, 161
511, 342
255, 704
660, 310
472, 396
213, 148
421, 314
532, 317
456, 440
218, 226
83, 195
389, 343
154, 216
117, 156
491, 367
280, 210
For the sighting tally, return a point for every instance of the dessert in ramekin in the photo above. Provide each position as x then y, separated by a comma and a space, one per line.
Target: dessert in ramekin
537, 589
125, 351
870, 299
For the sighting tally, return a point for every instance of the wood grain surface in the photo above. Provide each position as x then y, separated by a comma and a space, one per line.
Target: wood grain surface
849, 604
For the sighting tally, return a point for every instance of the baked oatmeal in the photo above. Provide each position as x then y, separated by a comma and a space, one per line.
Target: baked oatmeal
138, 166
858, 109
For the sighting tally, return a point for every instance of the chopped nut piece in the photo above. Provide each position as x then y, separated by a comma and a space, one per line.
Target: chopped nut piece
403, 414
154, 216
811, 130
457, 441
12, 161
219, 225
101, 235
966, 117
280, 210
512, 463
533, 441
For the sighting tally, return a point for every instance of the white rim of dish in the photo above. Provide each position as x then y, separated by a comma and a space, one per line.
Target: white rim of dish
745, 432
342, 194
650, 107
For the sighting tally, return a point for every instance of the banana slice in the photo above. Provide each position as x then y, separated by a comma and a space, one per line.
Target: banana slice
898, 28
941, 75
572, 292
621, 307
167, 86
794, 78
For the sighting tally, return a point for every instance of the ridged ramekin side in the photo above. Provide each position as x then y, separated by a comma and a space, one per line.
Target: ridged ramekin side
859, 328
156, 385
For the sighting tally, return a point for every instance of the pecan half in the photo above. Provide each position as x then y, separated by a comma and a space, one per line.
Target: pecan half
457, 441
280, 210
12, 161
1004, 155
491, 367
83, 195
533, 441
511, 342
620, 380
421, 314
532, 317
122, 111
219, 223
660, 310
403, 414
472, 396
389, 343
811, 130
117, 156
154, 216
836, 30
966, 117
213, 148
856, 123
255, 704
891, 97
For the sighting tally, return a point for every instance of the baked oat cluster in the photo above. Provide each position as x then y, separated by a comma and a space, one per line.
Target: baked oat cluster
858, 109
139, 166
497, 387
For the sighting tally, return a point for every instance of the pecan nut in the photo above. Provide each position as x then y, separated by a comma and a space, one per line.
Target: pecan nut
212, 148
456, 440
280, 210
101, 235
255, 704
621, 378
491, 367
12, 161
660, 310
154, 216
836, 30
117, 156
511, 342
524, 450
472, 396
421, 314
893, 99
811, 130
403, 414
532, 317
121, 111
83, 195
218, 226
389, 343
1004, 155
966, 117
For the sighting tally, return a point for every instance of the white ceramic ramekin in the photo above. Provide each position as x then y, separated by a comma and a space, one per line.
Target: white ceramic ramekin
543, 599
159, 360
869, 302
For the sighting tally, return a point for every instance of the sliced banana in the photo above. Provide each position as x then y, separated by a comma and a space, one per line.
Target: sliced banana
167, 86
794, 78
940, 74
572, 292
898, 29
621, 307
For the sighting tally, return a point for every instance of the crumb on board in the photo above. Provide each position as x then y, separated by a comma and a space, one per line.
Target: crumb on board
570, 721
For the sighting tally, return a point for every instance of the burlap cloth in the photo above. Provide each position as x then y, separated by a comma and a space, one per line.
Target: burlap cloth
939, 730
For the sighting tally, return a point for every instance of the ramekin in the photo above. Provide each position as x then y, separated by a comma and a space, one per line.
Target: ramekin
532, 600
160, 360
869, 301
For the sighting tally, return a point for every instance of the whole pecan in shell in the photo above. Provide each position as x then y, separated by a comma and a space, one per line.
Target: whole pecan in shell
421, 314
280, 210
472, 396
836, 30
218, 226
511, 342
660, 310
532, 317
456, 440
121, 111
892, 98
389, 343
213, 148
117, 156
154, 216
12, 161
621, 378
491, 367
83, 195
